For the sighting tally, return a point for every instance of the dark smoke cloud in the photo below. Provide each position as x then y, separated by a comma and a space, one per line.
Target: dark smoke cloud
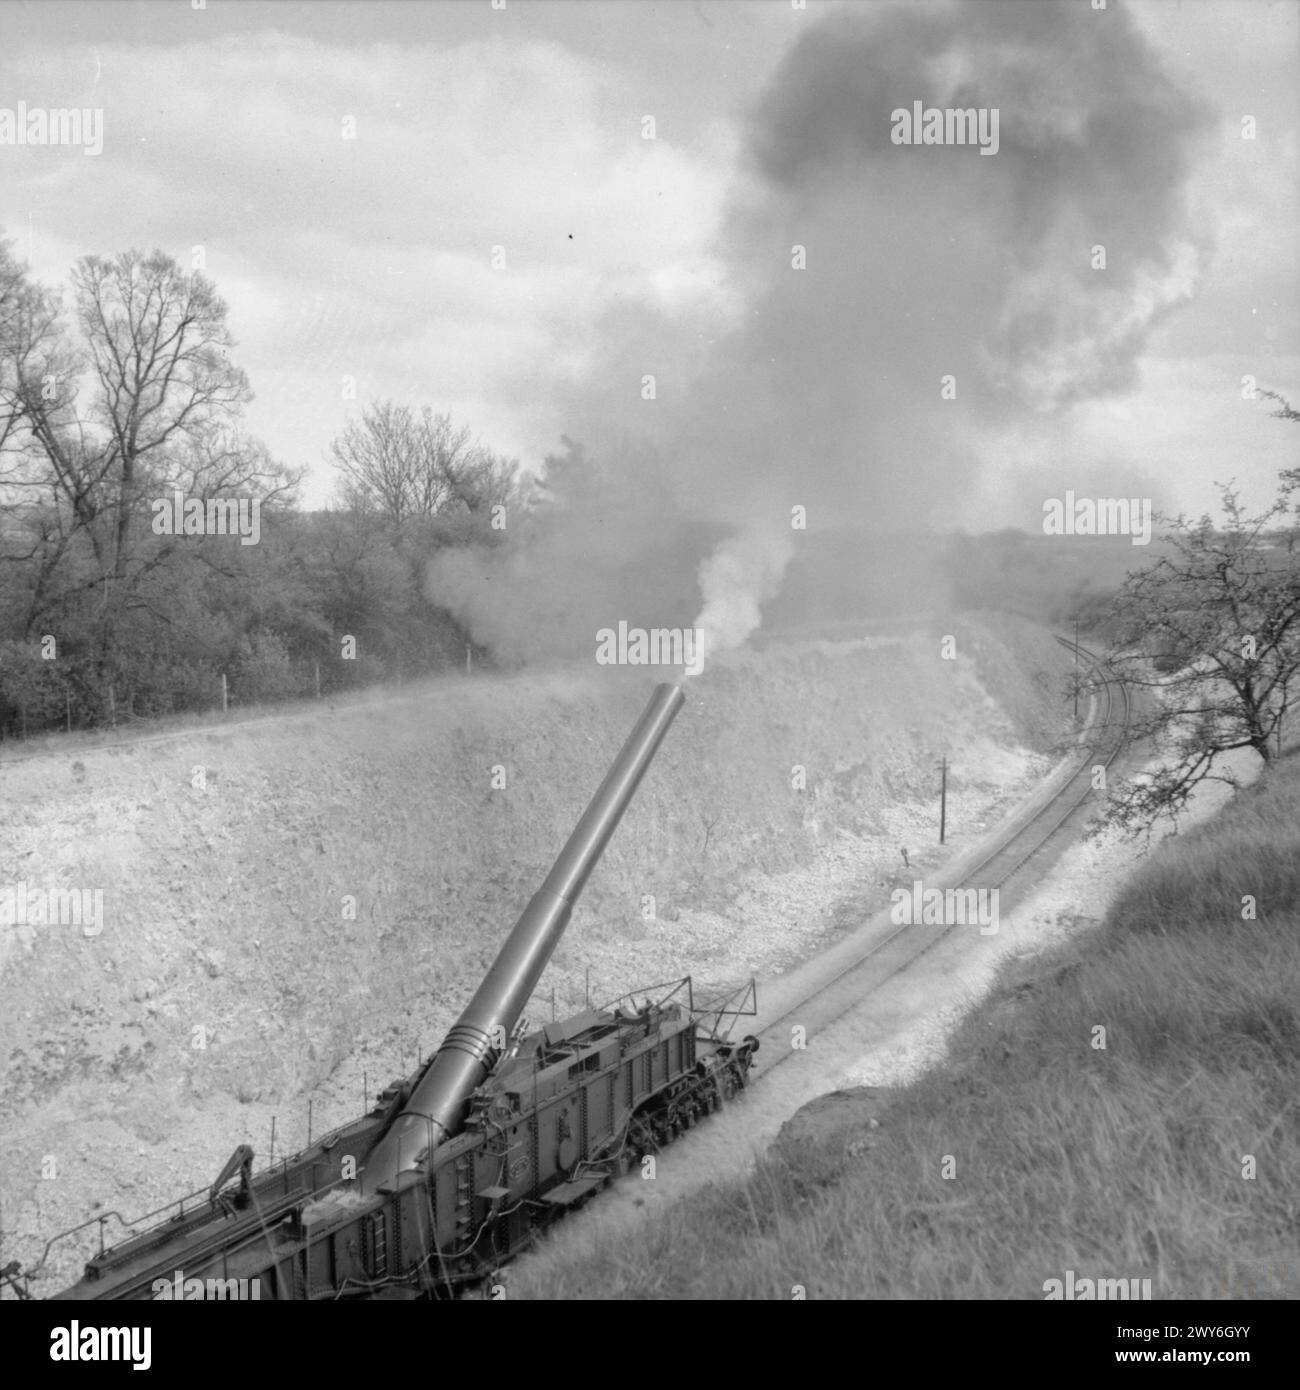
922, 262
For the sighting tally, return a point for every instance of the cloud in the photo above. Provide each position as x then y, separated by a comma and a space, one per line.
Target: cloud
373, 257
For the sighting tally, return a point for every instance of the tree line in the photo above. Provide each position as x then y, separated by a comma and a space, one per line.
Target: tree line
120, 395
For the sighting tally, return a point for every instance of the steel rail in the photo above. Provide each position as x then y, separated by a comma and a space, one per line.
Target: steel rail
774, 1056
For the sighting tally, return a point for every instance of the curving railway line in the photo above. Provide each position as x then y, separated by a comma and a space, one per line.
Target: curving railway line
844, 997
1004, 863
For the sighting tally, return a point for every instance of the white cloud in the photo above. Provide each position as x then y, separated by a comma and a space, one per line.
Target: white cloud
373, 257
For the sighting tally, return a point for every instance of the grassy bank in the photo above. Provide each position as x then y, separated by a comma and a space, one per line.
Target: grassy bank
1132, 1160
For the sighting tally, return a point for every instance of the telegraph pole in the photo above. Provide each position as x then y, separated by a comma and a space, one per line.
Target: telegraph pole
943, 798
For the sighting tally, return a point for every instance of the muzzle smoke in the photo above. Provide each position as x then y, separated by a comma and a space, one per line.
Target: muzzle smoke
890, 311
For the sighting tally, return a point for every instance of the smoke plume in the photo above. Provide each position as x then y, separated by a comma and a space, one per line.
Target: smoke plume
735, 581
895, 310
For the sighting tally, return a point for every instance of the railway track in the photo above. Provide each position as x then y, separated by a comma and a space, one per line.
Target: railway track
848, 987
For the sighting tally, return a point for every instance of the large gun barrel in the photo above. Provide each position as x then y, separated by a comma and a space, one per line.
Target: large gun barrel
438, 1102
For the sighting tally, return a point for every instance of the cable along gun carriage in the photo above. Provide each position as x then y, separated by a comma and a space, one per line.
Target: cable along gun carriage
502, 1129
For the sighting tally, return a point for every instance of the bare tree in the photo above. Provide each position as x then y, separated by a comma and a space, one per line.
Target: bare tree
1212, 631
376, 457
444, 454
406, 466
137, 398
484, 480
158, 355
20, 338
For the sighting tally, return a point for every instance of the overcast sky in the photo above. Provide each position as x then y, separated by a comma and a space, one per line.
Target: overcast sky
522, 128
